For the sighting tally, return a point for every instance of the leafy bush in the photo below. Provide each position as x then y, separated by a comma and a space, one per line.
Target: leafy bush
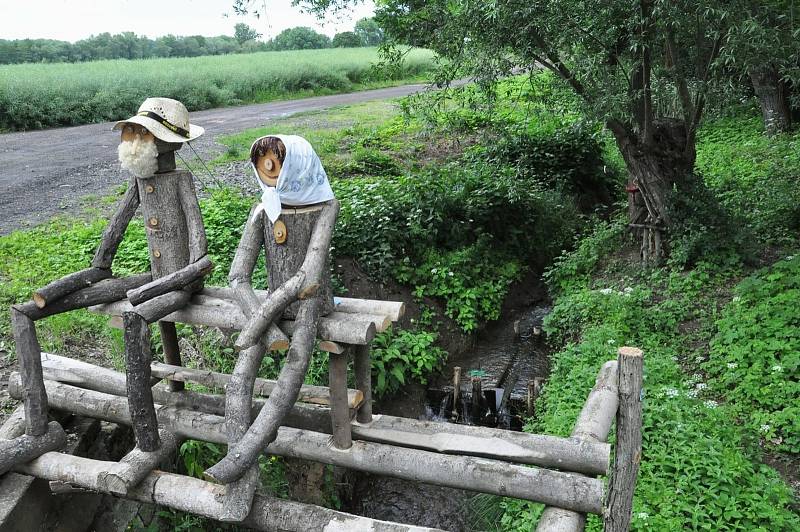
399, 354
755, 356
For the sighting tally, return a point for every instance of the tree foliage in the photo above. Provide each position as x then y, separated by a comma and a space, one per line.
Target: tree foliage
346, 39
299, 38
368, 30
120, 46
243, 33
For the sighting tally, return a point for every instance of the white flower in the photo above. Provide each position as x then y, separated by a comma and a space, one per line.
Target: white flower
698, 358
611, 342
700, 386
671, 392
606, 291
710, 404
732, 365
765, 428
450, 274
692, 393
736, 299
777, 368
642, 515
628, 290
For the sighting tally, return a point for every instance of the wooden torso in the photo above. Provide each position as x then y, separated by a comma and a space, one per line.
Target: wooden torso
164, 221
284, 260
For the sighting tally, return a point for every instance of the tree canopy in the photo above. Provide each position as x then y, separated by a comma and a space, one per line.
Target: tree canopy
299, 38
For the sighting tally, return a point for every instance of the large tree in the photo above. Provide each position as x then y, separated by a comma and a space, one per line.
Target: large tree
646, 69
300, 38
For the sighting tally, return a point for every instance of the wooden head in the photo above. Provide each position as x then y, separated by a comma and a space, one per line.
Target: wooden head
267, 155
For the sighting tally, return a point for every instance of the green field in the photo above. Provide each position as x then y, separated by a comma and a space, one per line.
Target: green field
34, 96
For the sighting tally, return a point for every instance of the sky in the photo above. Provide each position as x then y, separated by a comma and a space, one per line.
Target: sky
72, 20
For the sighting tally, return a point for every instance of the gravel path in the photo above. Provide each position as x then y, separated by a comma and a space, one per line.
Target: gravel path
43, 173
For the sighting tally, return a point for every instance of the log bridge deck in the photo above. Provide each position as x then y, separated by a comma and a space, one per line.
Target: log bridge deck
336, 426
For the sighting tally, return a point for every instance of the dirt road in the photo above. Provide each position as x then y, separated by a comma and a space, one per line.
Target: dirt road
46, 172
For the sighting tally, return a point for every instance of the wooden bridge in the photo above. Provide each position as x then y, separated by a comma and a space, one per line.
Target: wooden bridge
334, 425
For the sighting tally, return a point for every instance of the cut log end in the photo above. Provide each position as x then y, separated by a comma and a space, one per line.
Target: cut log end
279, 345
39, 300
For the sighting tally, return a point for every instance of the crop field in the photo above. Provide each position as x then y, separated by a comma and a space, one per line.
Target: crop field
35, 96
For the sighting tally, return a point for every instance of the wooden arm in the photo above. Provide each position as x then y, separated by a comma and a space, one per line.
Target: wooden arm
115, 230
244, 262
198, 245
174, 281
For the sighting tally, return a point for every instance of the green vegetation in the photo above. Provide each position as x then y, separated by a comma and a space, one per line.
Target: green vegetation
48, 95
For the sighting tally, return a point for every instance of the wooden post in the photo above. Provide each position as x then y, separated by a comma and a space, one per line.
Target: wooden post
628, 450
140, 397
340, 414
456, 390
477, 399
30, 363
172, 354
363, 370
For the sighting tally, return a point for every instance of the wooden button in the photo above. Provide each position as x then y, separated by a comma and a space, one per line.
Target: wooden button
153, 221
279, 230
157, 254
149, 189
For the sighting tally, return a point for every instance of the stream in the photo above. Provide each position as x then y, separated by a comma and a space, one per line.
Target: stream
505, 359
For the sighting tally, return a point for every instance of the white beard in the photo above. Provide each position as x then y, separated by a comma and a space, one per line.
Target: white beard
138, 157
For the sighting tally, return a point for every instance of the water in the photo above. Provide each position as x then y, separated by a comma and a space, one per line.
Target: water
505, 358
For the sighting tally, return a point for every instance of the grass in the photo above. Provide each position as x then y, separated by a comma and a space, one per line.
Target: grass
34, 96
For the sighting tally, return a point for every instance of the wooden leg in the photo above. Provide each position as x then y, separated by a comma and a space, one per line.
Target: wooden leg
140, 398
29, 355
340, 414
363, 370
172, 354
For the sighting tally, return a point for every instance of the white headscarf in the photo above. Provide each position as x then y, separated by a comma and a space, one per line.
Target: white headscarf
301, 181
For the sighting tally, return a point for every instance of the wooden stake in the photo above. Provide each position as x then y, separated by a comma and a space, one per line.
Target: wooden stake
362, 365
140, 397
628, 450
477, 400
172, 353
30, 363
456, 390
340, 418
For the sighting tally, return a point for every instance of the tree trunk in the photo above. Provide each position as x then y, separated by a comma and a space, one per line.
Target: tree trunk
773, 97
658, 169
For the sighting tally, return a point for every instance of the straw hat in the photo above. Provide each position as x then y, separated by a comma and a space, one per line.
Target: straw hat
166, 119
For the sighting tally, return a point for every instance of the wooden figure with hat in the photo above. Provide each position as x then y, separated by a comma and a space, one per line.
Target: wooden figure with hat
178, 258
